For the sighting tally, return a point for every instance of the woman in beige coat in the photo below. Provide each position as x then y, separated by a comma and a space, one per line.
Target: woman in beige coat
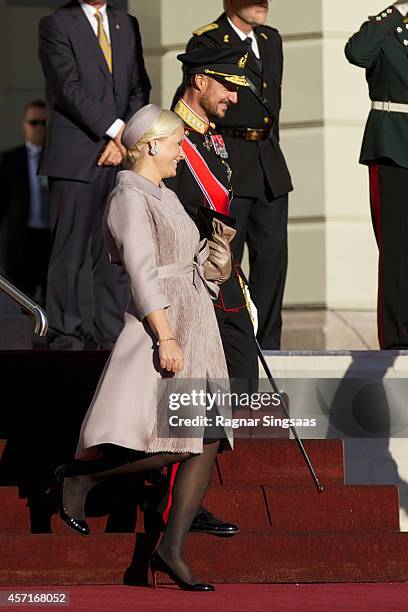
170, 337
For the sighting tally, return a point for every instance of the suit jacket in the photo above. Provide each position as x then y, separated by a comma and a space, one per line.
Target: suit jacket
84, 97
190, 195
381, 47
15, 205
252, 162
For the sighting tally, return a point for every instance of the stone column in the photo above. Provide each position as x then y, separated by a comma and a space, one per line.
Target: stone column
333, 256
20, 76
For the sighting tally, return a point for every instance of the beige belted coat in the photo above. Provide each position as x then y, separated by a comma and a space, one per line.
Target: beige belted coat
148, 230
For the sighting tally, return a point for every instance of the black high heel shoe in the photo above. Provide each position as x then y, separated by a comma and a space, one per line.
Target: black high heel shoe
77, 525
157, 564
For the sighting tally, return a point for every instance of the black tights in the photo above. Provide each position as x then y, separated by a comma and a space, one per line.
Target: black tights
191, 482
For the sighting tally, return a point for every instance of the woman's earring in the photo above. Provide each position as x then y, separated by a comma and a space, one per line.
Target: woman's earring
154, 149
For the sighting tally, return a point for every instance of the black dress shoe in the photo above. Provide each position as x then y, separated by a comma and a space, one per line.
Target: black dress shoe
158, 564
207, 522
78, 525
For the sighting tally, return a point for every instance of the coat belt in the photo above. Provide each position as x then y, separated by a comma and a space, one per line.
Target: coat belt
390, 107
196, 268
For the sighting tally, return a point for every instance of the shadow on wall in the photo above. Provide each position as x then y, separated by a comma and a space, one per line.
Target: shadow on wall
365, 418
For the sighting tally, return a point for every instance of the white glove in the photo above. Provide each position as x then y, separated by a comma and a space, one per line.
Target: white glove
402, 6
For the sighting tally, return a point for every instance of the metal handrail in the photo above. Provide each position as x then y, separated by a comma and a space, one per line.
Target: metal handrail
41, 321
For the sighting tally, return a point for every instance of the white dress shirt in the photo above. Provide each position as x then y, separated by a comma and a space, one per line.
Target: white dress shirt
244, 36
402, 7
90, 13
37, 217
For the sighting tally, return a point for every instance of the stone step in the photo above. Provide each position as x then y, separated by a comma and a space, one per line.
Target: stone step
272, 509
252, 558
280, 462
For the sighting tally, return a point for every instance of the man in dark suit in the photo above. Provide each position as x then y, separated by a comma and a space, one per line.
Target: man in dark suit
24, 215
381, 48
260, 178
92, 60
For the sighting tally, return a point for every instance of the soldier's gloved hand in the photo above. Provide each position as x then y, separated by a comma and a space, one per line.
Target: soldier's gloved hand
402, 6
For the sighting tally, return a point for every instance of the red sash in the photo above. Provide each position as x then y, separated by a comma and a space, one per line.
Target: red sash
214, 192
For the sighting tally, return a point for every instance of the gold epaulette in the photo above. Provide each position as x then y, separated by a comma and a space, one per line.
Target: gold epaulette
206, 28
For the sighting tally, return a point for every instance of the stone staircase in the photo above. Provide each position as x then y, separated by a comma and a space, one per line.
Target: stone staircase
289, 531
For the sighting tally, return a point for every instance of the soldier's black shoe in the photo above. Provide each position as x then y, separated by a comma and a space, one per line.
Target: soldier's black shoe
207, 522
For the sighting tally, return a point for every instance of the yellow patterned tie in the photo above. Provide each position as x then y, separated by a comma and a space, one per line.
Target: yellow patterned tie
104, 41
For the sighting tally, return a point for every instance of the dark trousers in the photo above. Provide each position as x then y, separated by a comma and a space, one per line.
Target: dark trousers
241, 355
32, 271
389, 208
76, 217
262, 224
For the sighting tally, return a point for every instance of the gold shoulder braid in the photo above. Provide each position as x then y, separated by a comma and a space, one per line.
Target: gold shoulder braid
207, 28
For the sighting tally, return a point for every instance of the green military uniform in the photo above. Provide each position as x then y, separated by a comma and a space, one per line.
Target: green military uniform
381, 47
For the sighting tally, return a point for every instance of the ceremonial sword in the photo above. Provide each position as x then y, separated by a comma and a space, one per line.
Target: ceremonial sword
285, 409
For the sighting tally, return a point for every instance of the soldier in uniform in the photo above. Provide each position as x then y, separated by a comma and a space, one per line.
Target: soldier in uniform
203, 186
381, 48
260, 181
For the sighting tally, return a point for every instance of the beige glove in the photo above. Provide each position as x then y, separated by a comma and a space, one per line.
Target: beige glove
218, 266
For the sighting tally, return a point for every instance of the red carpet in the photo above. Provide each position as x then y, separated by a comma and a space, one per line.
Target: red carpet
289, 532
237, 598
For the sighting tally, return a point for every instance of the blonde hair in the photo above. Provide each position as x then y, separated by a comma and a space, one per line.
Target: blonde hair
165, 125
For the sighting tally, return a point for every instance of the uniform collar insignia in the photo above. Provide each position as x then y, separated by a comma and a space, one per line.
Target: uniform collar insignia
191, 118
242, 62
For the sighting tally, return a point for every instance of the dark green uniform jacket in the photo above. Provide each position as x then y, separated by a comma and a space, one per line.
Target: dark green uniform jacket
381, 47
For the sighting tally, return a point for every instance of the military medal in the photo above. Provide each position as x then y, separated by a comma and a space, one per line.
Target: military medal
219, 145
207, 144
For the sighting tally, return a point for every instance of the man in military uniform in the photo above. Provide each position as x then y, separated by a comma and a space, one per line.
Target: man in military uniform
381, 47
212, 79
260, 180
202, 185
